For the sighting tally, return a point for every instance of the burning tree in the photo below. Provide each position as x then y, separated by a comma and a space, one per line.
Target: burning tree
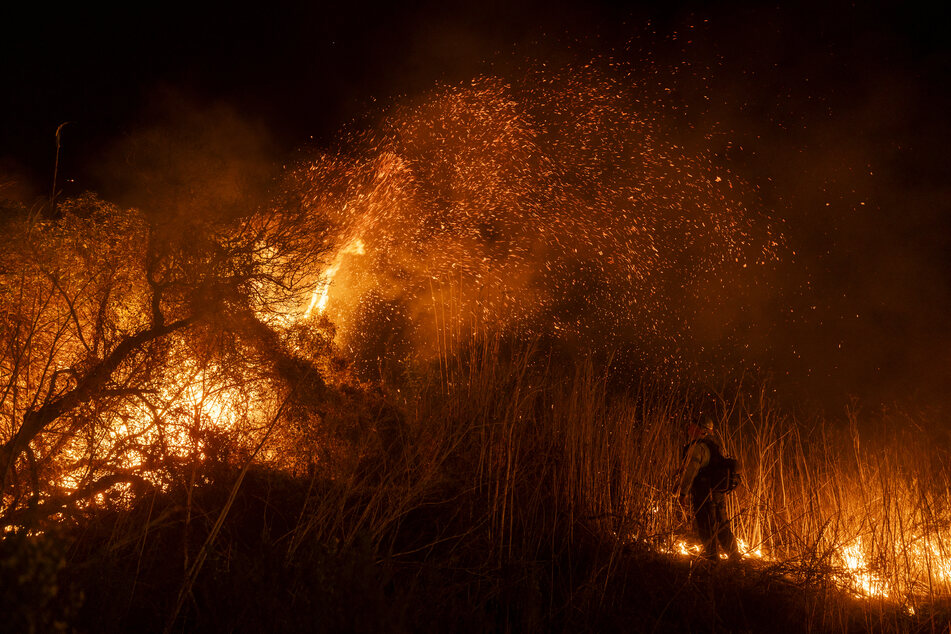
131, 344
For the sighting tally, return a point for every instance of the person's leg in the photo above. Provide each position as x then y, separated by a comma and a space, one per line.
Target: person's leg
724, 531
705, 514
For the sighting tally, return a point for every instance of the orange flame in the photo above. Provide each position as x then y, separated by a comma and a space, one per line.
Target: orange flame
321, 293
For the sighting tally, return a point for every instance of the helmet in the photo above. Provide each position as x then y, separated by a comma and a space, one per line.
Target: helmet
701, 428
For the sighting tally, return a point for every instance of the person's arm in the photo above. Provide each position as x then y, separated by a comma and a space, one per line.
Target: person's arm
697, 456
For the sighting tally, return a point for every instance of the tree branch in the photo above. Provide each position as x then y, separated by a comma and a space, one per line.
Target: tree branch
31, 515
87, 388
72, 308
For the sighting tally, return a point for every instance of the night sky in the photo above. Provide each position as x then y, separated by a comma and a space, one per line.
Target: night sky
838, 117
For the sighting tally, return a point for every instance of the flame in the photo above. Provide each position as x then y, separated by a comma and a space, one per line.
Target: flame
322, 292
751, 553
858, 573
686, 548
194, 401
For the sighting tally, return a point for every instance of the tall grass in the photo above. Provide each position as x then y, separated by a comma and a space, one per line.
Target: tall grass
541, 456
515, 490
867, 493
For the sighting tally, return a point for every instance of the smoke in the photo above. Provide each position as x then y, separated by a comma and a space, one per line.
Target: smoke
841, 126
16, 193
806, 143
811, 153
187, 158
556, 206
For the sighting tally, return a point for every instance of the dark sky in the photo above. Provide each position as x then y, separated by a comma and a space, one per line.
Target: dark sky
839, 112
305, 68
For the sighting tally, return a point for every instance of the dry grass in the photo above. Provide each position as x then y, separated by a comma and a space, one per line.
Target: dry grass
535, 459
517, 491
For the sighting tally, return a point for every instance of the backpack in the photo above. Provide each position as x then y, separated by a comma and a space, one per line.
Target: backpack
721, 472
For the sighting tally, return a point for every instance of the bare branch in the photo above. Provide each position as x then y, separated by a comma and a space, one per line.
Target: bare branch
34, 421
32, 515
72, 308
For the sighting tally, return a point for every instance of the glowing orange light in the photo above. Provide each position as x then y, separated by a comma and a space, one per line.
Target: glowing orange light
322, 293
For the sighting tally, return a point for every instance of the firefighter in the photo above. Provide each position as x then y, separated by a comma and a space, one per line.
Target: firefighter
704, 477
